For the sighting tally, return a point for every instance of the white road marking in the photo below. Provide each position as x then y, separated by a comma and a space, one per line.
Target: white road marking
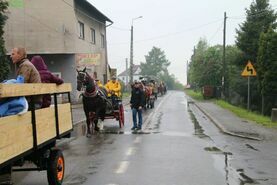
122, 167
137, 140
130, 151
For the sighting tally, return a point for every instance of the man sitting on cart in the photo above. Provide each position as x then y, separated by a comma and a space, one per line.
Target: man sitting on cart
114, 90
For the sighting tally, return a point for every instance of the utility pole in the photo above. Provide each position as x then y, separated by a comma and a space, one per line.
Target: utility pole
224, 61
131, 51
131, 56
128, 73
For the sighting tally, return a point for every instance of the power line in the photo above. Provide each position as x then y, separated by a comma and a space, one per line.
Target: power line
217, 30
260, 13
171, 34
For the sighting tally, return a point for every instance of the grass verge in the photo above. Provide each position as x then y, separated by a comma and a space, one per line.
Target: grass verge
194, 94
243, 113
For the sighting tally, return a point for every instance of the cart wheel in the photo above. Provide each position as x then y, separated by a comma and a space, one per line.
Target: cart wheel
121, 116
55, 170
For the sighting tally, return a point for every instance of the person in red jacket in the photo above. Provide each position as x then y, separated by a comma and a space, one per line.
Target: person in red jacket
46, 77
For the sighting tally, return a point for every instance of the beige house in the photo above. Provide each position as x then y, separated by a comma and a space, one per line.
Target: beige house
68, 34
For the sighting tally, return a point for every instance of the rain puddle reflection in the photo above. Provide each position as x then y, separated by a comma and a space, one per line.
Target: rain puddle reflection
221, 158
221, 163
198, 130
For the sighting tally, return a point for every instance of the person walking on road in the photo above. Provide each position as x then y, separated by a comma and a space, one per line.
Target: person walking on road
136, 104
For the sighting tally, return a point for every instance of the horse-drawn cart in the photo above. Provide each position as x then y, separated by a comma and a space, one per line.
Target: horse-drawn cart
117, 113
32, 136
96, 103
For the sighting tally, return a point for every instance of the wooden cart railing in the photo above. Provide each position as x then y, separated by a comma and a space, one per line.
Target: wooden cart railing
21, 135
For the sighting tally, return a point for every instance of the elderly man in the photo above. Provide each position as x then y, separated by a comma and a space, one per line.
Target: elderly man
24, 67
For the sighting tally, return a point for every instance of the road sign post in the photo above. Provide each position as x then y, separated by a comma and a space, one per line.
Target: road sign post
247, 72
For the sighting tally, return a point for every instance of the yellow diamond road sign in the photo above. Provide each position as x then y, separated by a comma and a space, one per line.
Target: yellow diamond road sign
249, 70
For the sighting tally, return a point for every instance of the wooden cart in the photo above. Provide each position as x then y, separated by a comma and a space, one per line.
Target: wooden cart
32, 136
116, 113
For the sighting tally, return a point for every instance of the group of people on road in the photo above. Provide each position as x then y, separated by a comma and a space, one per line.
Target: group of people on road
36, 71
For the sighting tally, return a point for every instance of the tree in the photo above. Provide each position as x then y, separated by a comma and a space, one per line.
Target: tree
212, 66
196, 65
156, 63
206, 65
156, 67
4, 63
259, 17
235, 84
267, 69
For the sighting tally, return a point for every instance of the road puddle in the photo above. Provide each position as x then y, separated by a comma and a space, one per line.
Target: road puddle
212, 149
198, 130
221, 163
221, 158
251, 147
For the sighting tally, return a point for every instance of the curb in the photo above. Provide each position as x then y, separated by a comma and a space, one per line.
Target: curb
222, 128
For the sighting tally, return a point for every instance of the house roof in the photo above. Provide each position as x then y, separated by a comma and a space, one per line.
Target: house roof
93, 10
126, 72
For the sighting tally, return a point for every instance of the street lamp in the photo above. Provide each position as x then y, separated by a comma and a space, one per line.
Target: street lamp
131, 50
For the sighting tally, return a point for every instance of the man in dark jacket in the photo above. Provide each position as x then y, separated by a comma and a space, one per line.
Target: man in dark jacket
46, 77
136, 103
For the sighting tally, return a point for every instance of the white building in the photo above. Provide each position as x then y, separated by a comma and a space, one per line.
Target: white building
125, 75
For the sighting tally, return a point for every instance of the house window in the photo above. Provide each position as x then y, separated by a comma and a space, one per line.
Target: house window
102, 41
92, 35
81, 30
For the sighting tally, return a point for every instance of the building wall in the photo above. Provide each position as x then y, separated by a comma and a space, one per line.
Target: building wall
50, 29
86, 46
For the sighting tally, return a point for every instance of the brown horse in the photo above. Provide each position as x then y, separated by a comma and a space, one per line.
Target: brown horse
94, 100
147, 92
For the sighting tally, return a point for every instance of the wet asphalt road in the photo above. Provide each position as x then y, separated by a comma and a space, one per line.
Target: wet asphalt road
178, 146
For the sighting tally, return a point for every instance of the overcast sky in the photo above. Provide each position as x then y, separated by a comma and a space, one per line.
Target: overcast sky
175, 26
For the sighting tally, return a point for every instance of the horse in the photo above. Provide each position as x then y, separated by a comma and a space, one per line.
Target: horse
146, 94
161, 88
94, 100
